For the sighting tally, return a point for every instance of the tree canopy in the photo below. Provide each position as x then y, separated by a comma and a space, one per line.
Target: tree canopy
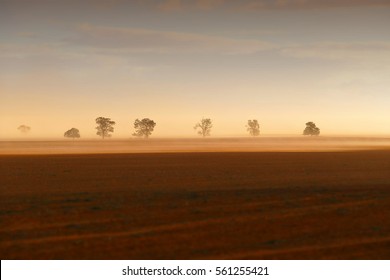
311, 129
204, 126
105, 126
144, 127
72, 133
253, 127
24, 128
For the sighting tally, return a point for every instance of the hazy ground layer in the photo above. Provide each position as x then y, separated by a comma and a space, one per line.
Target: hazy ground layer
194, 145
270, 205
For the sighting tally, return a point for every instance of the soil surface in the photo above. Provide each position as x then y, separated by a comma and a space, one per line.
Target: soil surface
258, 205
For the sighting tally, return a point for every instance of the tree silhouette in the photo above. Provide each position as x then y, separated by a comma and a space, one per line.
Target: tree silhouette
205, 126
24, 128
144, 127
253, 127
311, 129
105, 126
72, 133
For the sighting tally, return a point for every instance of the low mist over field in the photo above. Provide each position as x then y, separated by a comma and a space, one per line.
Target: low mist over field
178, 145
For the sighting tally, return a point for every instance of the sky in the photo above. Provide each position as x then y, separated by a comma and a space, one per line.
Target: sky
282, 62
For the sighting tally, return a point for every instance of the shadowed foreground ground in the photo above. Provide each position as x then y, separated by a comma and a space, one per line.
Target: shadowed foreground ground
315, 205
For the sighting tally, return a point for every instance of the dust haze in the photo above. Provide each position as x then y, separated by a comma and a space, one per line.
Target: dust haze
183, 145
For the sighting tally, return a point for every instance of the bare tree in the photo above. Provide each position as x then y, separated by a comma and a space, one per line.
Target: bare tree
253, 127
105, 126
144, 127
204, 126
72, 133
24, 128
311, 129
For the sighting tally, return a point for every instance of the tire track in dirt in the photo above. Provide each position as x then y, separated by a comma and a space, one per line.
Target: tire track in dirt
277, 253
176, 226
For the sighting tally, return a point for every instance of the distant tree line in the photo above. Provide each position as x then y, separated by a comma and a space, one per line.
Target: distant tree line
143, 128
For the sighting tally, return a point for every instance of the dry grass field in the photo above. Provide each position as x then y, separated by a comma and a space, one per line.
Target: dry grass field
209, 205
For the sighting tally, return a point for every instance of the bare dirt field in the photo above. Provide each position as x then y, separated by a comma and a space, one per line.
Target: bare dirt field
241, 205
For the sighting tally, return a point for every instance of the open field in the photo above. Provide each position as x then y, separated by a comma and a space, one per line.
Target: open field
259, 205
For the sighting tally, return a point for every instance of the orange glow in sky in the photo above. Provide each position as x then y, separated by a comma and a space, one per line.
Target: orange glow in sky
284, 63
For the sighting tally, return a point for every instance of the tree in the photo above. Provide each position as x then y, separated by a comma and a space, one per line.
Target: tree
105, 126
144, 127
72, 133
205, 126
24, 128
253, 127
311, 129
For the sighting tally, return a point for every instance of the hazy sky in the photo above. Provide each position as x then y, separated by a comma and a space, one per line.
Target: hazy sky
283, 62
